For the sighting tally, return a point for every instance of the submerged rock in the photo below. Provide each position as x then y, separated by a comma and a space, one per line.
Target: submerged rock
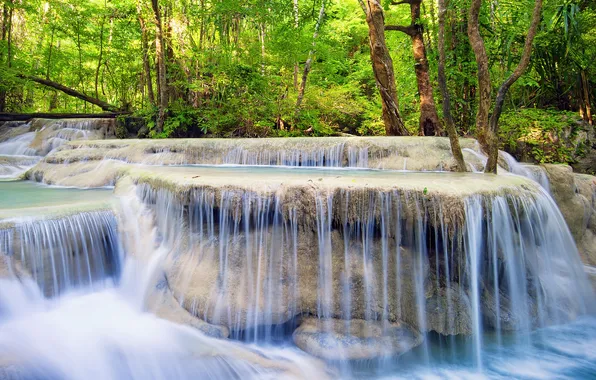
356, 339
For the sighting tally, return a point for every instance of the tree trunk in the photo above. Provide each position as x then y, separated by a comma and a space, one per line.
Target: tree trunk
484, 85
311, 53
161, 68
382, 65
262, 31
493, 151
296, 25
100, 58
429, 118
69, 91
449, 124
585, 98
145, 52
6, 36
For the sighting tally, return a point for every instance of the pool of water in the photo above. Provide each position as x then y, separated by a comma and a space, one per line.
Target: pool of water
30, 199
24, 194
557, 352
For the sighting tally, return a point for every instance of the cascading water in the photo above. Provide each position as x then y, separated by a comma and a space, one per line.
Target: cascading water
102, 330
378, 274
23, 145
533, 172
65, 253
259, 265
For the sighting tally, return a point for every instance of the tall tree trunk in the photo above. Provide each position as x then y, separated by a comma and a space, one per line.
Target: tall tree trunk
382, 65
449, 124
80, 53
493, 152
262, 30
311, 53
429, 118
585, 98
145, 52
296, 25
54, 95
100, 58
161, 66
6, 36
484, 85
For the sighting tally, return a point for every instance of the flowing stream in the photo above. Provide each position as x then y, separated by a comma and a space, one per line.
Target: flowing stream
220, 272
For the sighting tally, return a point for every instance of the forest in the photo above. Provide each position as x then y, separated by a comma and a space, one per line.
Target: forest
520, 75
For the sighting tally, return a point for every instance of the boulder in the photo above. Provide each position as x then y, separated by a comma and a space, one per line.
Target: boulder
575, 195
163, 304
356, 339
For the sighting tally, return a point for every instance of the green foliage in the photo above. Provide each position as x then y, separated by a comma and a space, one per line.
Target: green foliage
231, 66
547, 134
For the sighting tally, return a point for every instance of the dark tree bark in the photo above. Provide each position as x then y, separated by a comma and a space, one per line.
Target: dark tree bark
493, 133
449, 124
311, 53
69, 91
161, 68
429, 118
383, 68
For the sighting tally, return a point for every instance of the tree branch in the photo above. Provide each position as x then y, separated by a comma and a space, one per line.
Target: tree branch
410, 30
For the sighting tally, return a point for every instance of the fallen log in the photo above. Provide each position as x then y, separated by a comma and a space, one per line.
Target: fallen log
69, 91
29, 116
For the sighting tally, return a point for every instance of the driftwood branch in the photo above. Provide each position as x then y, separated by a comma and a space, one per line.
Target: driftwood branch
69, 91
29, 116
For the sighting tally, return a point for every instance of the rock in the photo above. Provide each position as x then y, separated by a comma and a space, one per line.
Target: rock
356, 339
163, 304
411, 153
448, 311
575, 195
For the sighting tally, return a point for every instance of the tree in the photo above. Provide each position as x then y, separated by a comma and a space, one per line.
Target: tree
311, 53
161, 68
449, 124
382, 64
488, 130
429, 119
145, 52
6, 38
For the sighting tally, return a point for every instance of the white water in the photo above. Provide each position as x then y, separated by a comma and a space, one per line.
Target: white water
105, 332
533, 172
512, 268
21, 151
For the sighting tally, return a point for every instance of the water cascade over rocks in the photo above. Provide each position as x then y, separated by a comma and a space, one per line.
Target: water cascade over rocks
258, 262
206, 269
22, 144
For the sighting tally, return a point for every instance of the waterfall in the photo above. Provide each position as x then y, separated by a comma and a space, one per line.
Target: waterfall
66, 253
310, 273
533, 172
101, 327
23, 144
258, 265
